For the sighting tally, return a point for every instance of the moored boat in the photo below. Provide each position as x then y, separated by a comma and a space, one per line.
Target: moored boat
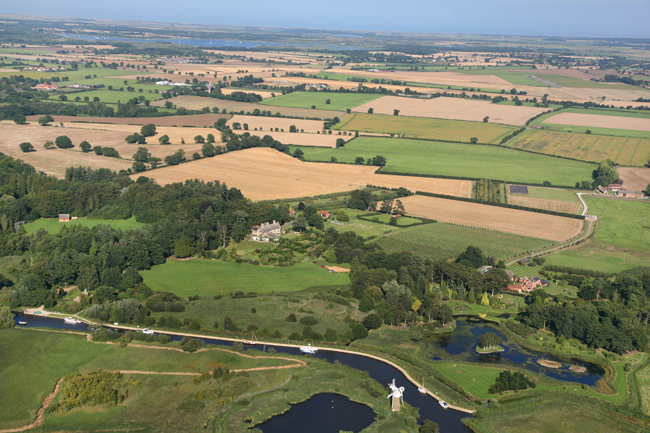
22, 323
147, 331
444, 404
252, 341
309, 349
422, 389
71, 321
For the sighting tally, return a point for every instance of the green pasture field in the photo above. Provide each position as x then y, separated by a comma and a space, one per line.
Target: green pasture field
565, 81
443, 87
442, 241
642, 376
549, 193
33, 361
418, 127
271, 311
209, 278
112, 96
339, 101
457, 160
52, 225
621, 241
401, 222
473, 379
75, 76
586, 147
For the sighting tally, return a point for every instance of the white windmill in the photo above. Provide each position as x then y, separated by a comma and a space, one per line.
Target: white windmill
398, 396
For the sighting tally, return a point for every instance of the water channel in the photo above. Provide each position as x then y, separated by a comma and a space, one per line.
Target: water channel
457, 345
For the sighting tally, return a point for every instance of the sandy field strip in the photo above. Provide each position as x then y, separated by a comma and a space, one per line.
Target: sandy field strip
446, 78
263, 93
636, 179
506, 220
55, 161
600, 121
546, 204
266, 123
265, 174
451, 108
193, 120
198, 102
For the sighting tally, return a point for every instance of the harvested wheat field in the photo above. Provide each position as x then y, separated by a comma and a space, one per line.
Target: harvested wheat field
198, 102
197, 120
636, 179
266, 123
600, 121
546, 204
265, 174
445, 78
506, 220
55, 161
451, 108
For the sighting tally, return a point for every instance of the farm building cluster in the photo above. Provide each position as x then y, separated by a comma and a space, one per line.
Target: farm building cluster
618, 191
526, 284
266, 232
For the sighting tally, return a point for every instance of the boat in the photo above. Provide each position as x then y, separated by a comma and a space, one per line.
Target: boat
147, 331
71, 321
421, 388
252, 341
309, 349
22, 323
444, 404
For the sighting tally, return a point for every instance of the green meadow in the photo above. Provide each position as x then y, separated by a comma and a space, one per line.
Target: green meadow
338, 101
457, 160
208, 278
52, 225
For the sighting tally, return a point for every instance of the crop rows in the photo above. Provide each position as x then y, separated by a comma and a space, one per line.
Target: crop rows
441, 241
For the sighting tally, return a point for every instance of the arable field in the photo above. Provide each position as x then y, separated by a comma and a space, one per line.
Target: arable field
443, 241
33, 361
267, 124
458, 160
210, 278
636, 179
266, 174
52, 225
586, 147
518, 222
338, 101
198, 102
195, 120
633, 127
558, 200
621, 240
417, 127
452, 108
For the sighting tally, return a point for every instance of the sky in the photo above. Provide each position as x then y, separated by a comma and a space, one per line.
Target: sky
610, 18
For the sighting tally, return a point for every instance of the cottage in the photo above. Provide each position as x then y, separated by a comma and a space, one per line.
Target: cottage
601, 190
324, 214
614, 187
628, 193
64, 217
266, 231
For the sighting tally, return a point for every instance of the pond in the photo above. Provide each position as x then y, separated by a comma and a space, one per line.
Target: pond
327, 413
460, 346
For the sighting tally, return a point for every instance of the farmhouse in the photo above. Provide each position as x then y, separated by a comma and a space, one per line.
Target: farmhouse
44, 86
266, 231
628, 193
64, 217
324, 214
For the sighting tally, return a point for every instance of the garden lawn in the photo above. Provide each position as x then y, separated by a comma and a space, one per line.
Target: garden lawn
419, 127
457, 160
209, 278
339, 101
473, 379
52, 225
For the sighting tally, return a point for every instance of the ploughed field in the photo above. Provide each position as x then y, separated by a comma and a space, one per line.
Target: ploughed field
514, 221
601, 121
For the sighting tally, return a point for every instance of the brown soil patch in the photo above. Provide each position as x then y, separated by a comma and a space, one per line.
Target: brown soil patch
600, 121
197, 120
266, 174
337, 269
506, 220
636, 179
546, 204
198, 102
451, 108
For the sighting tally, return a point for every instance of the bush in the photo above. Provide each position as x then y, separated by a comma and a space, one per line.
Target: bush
229, 325
106, 335
372, 321
359, 331
309, 321
164, 339
189, 344
295, 336
63, 142
331, 334
291, 318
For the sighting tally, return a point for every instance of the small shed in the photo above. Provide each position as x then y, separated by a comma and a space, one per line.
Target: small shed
64, 217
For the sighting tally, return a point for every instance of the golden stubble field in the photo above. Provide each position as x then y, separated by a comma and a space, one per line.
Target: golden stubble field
196, 120
266, 174
600, 121
546, 204
444, 78
451, 108
635, 178
506, 220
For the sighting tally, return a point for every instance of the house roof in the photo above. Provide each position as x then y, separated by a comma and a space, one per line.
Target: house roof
628, 191
64, 215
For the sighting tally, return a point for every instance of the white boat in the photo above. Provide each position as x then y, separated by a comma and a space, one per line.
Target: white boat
252, 341
22, 323
421, 388
309, 349
147, 331
71, 321
444, 404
